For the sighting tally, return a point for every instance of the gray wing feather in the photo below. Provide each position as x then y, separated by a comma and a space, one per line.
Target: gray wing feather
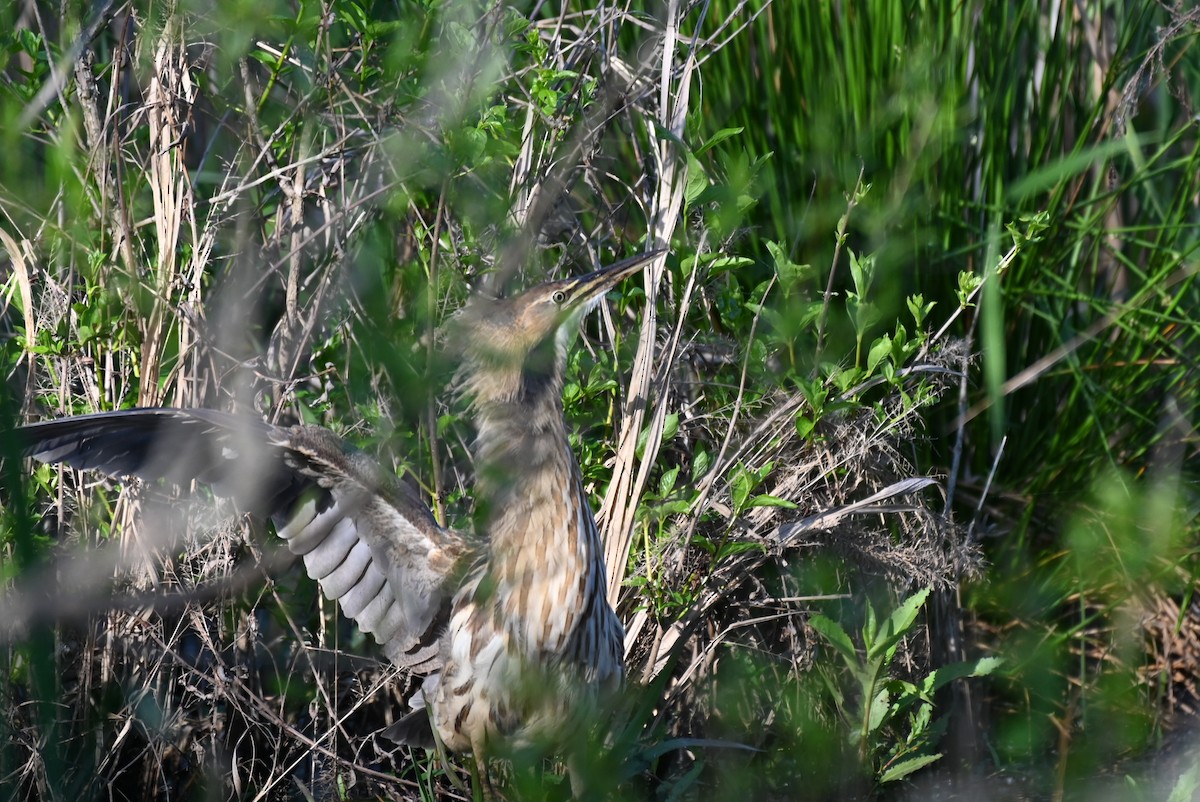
366, 538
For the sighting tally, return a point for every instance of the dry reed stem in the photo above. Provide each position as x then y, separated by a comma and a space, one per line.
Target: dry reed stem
616, 515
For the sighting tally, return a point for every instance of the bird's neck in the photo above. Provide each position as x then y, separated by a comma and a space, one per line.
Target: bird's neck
521, 439
534, 510
521, 447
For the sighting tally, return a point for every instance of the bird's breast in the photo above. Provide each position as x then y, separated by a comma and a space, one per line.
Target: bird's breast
531, 627
531, 634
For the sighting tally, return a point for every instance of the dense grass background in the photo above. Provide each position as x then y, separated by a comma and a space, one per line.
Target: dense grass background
914, 397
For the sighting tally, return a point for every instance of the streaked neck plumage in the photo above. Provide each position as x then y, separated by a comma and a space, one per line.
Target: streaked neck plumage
542, 536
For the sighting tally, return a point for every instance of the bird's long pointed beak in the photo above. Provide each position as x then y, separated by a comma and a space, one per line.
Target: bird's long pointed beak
591, 286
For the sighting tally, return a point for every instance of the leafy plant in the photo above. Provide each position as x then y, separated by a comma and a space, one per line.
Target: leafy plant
888, 718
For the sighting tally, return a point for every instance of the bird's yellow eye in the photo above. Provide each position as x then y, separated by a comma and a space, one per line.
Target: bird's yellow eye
558, 297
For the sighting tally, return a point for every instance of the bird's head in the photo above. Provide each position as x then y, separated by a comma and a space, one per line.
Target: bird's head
512, 345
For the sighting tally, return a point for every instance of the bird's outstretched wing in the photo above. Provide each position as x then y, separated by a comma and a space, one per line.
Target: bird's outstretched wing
365, 537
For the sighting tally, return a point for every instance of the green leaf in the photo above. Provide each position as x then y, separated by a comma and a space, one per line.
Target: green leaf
967, 283
805, 315
697, 180
907, 767
740, 489
1051, 173
919, 722
903, 616
862, 270
353, 15
836, 636
718, 138
864, 314
788, 271
878, 714
670, 426
880, 349
943, 675
899, 623
766, 500
815, 392
804, 426
919, 308
717, 263
1186, 786
598, 385
666, 482
870, 626
845, 378
676, 507
905, 694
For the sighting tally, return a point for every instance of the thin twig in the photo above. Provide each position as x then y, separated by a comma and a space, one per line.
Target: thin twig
843, 222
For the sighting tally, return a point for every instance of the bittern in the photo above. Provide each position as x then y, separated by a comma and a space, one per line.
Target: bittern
511, 625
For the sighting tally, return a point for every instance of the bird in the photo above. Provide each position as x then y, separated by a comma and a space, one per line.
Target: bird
509, 625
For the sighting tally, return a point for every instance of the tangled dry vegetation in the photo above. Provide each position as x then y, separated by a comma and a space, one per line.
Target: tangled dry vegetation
243, 235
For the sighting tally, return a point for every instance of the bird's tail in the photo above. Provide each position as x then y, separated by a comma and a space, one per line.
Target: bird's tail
416, 728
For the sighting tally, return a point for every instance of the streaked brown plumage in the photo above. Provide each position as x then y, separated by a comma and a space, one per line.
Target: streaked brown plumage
511, 627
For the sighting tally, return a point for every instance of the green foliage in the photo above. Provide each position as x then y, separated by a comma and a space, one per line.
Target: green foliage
745, 481
888, 718
1187, 785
